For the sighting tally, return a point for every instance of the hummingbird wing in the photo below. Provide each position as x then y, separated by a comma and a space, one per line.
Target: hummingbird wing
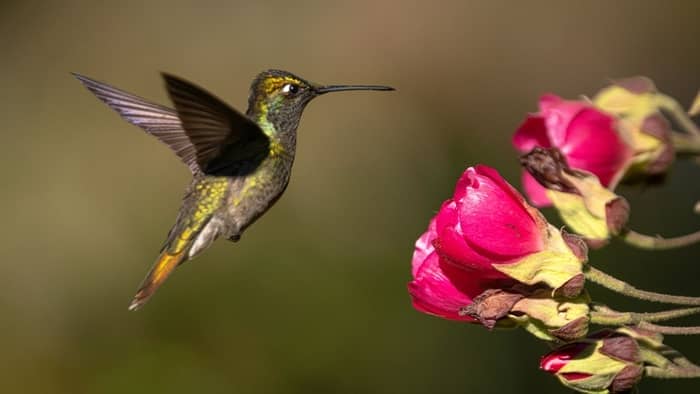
226, 141
156, 120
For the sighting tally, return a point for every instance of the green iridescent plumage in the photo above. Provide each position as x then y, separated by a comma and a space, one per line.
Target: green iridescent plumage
240, 163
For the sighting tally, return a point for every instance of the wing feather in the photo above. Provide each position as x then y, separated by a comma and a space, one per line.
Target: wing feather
157, 120
225, 139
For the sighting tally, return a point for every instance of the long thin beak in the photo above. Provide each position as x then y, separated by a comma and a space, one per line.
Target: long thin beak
340, 88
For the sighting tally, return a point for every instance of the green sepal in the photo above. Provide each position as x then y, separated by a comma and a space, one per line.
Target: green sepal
585, 211
534, 327
551, 319
620, 100
553, 266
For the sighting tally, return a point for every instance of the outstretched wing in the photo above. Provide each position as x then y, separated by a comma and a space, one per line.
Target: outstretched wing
156, 120
226, 141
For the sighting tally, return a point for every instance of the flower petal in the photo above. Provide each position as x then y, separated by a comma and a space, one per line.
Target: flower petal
530, 134
536, 193
556, 359
594, 144
558, 114
494, 218
443, 290
450, 241
423, 247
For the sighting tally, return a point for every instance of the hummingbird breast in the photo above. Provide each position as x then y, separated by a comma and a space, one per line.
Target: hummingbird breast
252, 195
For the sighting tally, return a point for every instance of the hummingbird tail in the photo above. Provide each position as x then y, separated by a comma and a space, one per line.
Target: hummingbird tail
160, 271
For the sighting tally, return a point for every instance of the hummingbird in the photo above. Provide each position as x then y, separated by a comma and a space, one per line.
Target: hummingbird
240, 163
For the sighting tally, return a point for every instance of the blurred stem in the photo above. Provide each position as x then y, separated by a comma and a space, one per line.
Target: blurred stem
661, 366
601, 314
678, 114
656, 242
672, 372
686, 143
669, 330
624, 288
695, 106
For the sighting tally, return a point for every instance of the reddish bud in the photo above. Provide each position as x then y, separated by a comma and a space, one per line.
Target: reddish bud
663, 153
627, 379
577, 245
636, 85
491, 306
617, 212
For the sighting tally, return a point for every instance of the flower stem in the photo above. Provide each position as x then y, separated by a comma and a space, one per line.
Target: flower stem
618, 286
675, 356
603, 315
672, 372
656, 242
686, 143
667, 363
678, 114
669, 330
695, 106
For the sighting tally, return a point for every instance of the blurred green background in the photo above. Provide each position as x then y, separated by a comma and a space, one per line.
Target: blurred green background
314, 297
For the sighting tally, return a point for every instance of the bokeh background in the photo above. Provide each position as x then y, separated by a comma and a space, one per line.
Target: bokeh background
313, 300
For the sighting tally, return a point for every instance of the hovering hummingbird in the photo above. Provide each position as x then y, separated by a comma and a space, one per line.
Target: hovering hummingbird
240, 164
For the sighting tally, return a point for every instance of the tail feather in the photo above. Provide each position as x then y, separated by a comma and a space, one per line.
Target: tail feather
160, 271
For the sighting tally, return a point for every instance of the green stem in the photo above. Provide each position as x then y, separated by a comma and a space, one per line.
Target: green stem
660, 365
672, 373
678, 114
655, 358
618, 286
675, 356
669, 330
656, 242
603, 315
686, 143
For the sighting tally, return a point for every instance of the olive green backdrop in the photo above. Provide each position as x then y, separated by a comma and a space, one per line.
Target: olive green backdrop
313, 299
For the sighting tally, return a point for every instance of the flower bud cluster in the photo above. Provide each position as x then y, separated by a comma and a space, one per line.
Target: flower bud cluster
575, 153
490, 258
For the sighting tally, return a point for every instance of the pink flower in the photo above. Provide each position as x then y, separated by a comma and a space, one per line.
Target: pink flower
487, 222
587, 137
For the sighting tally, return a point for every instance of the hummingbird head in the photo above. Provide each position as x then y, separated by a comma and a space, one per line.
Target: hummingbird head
279, 97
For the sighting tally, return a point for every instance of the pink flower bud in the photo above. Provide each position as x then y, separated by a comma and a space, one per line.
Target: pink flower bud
588, 138
606, 361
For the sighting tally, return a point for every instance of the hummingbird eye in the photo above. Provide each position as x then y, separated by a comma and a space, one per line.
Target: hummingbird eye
290, 88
